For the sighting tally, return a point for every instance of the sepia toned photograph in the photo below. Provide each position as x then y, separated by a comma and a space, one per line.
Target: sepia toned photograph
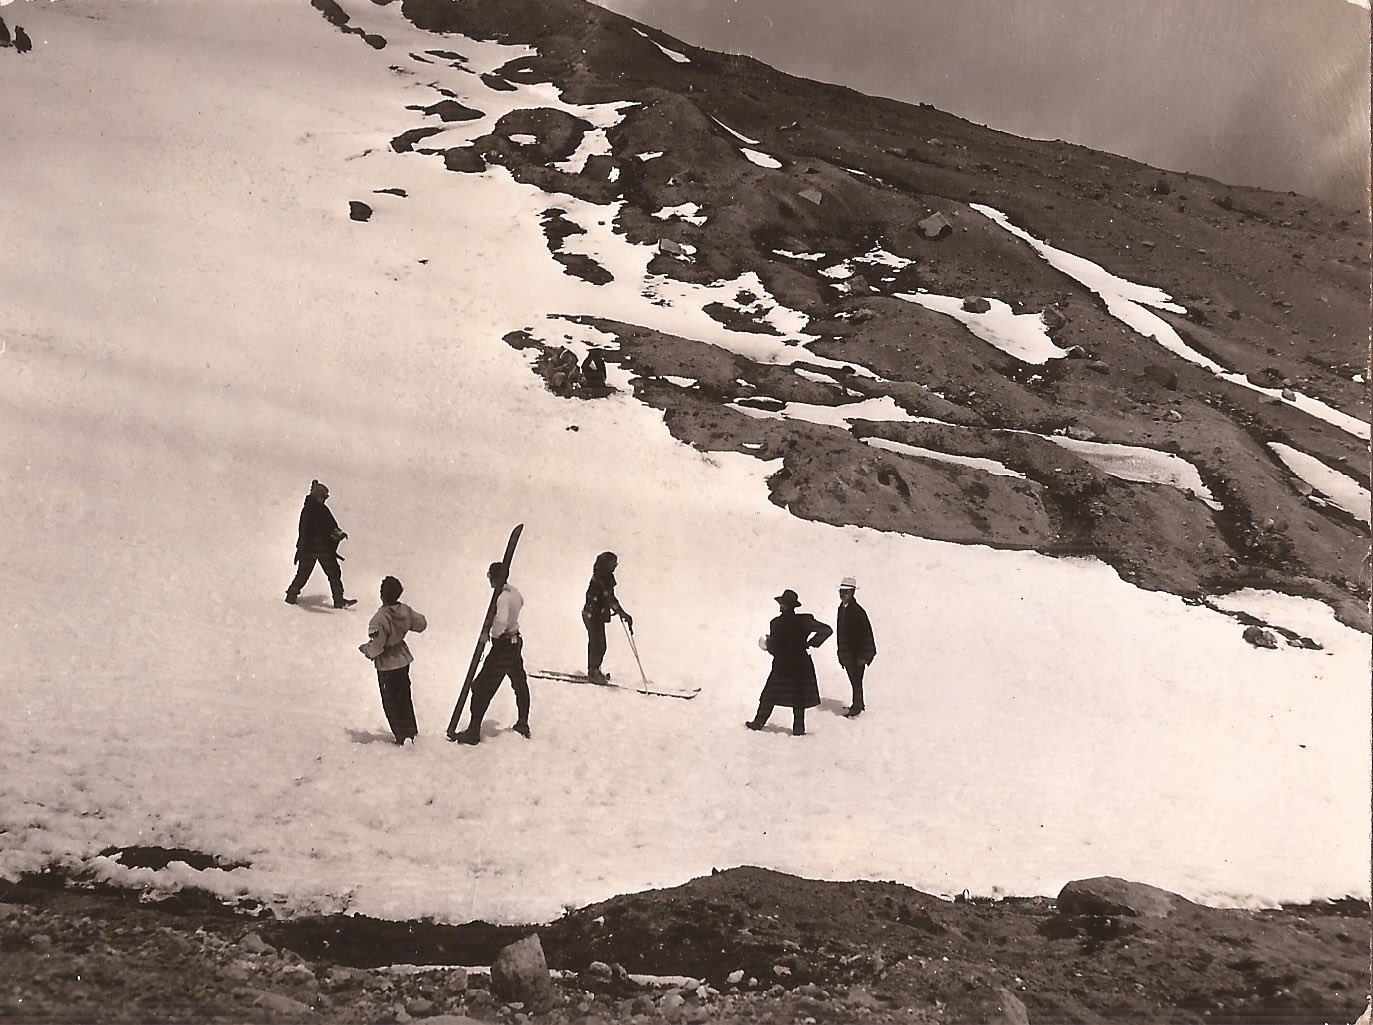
666, 512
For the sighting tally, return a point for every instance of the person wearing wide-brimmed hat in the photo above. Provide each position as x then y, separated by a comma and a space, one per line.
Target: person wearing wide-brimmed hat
792, 680
317, 541
854, 641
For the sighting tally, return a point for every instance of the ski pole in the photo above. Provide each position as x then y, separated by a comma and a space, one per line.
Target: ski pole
635, 648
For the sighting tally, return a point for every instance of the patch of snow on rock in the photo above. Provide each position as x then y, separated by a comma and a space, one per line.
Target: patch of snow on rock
1022, 335
1342, 491
991, 466
688, 212
760, 158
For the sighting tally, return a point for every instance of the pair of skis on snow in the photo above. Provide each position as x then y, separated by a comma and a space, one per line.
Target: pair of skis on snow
647, 688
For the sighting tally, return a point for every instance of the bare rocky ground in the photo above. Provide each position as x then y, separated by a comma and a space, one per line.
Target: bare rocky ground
744, 945
1276, 287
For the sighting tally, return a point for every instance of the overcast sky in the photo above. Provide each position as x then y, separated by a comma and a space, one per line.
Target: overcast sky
1259, 92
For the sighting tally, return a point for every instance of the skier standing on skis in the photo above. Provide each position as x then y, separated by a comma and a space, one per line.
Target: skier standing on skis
601, 604
792, 680
317, 542
388, 651
506, 658
853, 638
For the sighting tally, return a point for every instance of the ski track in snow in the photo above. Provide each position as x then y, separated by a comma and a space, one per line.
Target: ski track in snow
1031, 720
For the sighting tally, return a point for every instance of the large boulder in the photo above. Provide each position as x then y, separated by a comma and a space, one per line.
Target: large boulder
934, 227
1110, 896
520, 973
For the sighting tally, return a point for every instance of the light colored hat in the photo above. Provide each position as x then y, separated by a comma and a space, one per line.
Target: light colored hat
849, 583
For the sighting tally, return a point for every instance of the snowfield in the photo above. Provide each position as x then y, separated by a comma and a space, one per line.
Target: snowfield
195, 329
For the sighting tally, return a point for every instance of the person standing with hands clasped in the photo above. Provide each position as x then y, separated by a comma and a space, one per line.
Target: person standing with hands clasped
505, 658
600, 605
792, 680
388, 651
853, 638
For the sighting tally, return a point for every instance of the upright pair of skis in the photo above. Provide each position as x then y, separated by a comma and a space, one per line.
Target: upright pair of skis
647, 688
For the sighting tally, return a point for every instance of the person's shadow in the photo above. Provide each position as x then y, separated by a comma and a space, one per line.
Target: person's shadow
315, 603
833, 706
370, 737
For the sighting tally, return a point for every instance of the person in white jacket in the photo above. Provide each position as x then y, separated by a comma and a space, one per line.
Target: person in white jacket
388, 651
506, 658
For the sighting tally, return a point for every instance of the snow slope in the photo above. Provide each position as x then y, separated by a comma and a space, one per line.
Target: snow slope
196, 329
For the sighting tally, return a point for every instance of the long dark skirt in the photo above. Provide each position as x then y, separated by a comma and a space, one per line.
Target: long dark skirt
792, 683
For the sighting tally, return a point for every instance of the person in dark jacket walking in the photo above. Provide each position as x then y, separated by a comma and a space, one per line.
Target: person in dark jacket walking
792, 680
4, 34
22, 43
853, 638
317, 542
601, 604
388, 651
506, 658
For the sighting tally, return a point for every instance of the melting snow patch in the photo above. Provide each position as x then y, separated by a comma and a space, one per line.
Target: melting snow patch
680, 382
882, 409
799, 256
1022, 335
595, 143
741, 138
1340, 490
840, 272
1126, 301
524, 140
678, 57
1142, 465
689, 212
761, 159
880, 257
648, 156
991, 466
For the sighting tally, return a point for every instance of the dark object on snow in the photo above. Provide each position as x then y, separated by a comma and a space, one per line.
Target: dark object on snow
600, 605
593, 370
4, 33
388, 651
1053, 319
935, 227
359, 211
854, 641
1259, 637
22, 42
976, 304
562, 373
317, 541
792, 680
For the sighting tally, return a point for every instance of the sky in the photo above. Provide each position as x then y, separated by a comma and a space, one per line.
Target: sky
1272, 93
161, 418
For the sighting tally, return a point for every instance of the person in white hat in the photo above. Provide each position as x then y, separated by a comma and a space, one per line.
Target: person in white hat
854, 642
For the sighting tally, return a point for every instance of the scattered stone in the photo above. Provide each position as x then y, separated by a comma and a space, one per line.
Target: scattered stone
1174, 416
1289, 395
973, 304
599, 970
1053, 319
642, 1004
252, 943
1109, 895
736, 977
1162, 376
812, 196
1162, 188
520, 972
862, 315
935, 227
781, 971
463, 159
280, 1003
359, 211
671, 1001
1080, 434
1099, 366
666, 245
1259, 637
1076, 352
420, 1007
40, 941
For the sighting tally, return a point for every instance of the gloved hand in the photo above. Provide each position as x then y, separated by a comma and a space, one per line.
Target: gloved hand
629, 620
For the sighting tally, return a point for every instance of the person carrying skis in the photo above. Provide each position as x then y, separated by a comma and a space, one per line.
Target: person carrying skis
601, 604
854, 641
506, 658
792, 680
317, 542
388, 651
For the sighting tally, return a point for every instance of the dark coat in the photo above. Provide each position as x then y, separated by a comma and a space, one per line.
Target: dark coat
600, 603
853, 635
21, 41
319, 531
792, 680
